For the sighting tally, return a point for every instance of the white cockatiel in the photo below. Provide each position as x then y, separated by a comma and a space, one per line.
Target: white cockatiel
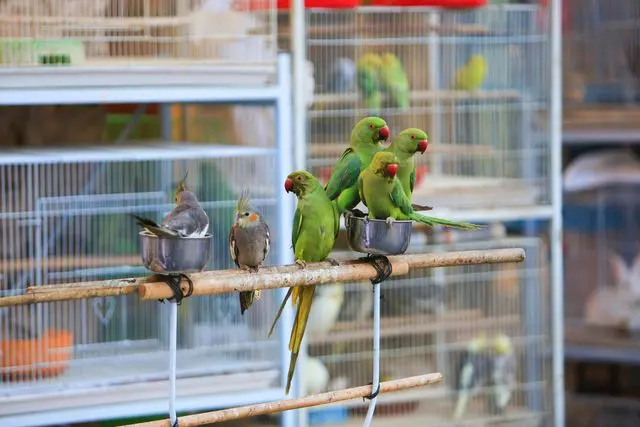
316, 376
325, 309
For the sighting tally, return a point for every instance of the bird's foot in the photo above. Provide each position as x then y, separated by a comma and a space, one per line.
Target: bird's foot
333, 262
173, 281
301, 263
382, 265
249, 269
373, 394
389, 221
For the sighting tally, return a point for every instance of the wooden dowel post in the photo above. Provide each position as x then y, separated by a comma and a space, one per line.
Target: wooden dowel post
289, 404
235, 280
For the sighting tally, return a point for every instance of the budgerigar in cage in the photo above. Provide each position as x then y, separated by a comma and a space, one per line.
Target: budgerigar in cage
316, 224
503, 373
393, 81
471, 75
381, 190
472, 374
249, 244
367, 69
405, 145
187, 219
365, 142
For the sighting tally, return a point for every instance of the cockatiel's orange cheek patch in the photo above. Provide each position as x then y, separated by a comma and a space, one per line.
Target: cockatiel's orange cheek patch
253, 217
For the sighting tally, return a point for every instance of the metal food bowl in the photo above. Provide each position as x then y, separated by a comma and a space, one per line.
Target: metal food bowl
374, 236
175, 255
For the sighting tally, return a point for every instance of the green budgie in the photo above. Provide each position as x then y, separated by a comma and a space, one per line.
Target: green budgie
470, 76
367, 69
382, 191
393, 81
365, 142
316, 224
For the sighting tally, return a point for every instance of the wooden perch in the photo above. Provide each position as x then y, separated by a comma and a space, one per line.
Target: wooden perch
235, 280
289, 404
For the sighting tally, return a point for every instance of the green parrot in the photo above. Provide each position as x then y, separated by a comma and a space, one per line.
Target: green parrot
316, 223
470, 76
393, 81
367, 69
365, 142
380, 189
404, 146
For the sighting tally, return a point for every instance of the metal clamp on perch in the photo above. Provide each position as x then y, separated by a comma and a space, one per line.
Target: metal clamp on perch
377, 238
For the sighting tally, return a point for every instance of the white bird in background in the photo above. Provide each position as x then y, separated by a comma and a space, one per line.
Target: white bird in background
316, 376
325, 309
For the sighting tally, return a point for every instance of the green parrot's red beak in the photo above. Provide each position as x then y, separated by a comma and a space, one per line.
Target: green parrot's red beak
288, 185
384, 133
422, 146
392, 169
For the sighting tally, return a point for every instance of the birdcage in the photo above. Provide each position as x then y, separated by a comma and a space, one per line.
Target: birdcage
487, 131
65, 218
601, 64
427, 321
127, 33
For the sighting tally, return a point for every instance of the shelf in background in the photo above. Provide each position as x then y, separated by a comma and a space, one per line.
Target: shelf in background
601, 124
585, 343
601, 136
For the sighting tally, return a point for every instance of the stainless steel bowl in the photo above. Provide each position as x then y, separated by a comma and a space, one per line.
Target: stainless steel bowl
173, 255
374, 236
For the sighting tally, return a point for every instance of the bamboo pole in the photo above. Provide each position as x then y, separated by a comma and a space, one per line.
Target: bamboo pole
289, 404
235, 280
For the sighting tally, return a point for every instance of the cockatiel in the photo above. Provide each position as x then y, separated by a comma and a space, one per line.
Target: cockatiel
470, 76
393, 81
249, 243
473, 373
503, 373
316, 375
365, 142
367, 72
382, 192
187, 219
404, 146
326, 308
316, 223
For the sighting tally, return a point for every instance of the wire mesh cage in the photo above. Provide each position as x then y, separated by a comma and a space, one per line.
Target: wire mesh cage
65, 219
601, 256
427, 322
116, 33
601, 64
487, 126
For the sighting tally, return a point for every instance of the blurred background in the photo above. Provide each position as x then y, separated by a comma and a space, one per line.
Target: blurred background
104, 104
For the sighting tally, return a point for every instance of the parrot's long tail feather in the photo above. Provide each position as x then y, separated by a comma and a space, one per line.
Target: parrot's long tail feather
282, 306
431, 221
299, 326
417, 207
152, 227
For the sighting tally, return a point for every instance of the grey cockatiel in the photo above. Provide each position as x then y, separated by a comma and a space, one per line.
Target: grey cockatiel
249, 243
187, 219
503, 373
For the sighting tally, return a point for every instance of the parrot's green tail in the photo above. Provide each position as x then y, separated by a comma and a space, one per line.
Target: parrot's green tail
431, 221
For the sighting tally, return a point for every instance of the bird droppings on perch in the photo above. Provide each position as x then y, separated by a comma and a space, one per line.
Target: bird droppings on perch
234, 280
289, 404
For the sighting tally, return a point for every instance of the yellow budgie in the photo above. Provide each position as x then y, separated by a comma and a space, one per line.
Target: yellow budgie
470, 76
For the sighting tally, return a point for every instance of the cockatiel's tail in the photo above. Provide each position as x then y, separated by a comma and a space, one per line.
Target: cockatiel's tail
367, 72
405, 145
365, 142
316, 224
394, 81
249, 243
187, 219
380, 189
470, 76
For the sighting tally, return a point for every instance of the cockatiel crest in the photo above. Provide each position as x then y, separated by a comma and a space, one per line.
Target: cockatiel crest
182, 187
249, 243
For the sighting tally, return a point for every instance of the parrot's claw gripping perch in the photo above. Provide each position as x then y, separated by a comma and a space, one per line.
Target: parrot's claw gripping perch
382, 265
389, 221
173, 281
301, 263
373, 393
333, 262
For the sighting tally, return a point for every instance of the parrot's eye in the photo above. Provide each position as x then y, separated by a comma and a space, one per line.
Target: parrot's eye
371, 126
299, 178
413, 137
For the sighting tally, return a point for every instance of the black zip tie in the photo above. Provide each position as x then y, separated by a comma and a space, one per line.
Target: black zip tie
173, 281
175, 423
373, 394
382, 266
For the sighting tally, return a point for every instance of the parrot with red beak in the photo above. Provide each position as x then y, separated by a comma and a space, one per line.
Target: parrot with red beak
365, 143
407, 143
381, 190
316, 224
